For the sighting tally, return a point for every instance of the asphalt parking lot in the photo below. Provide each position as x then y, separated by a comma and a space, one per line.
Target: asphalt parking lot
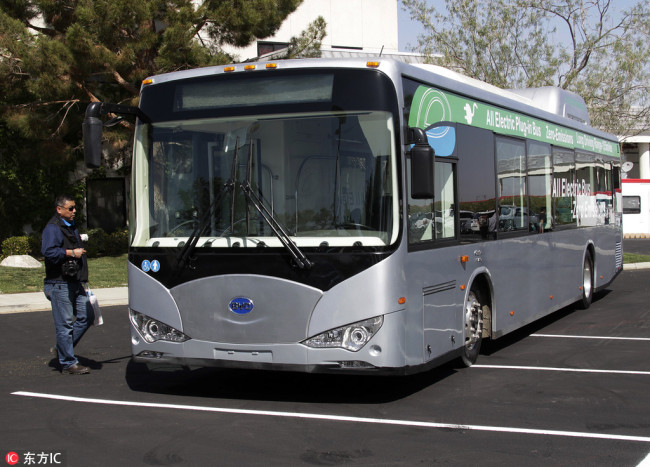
571, 389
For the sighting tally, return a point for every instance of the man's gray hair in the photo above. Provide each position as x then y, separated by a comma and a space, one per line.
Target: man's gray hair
62, 199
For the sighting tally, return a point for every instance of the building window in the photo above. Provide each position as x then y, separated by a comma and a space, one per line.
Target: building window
631, 205
264, 48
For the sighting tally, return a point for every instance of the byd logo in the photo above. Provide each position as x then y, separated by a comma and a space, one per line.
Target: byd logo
241, 305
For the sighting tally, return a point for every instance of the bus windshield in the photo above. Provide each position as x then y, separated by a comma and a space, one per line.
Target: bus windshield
328, 178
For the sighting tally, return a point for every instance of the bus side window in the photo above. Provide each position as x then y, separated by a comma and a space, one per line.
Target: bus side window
540, 180
434, 218
564, 168
512, 196
476, 183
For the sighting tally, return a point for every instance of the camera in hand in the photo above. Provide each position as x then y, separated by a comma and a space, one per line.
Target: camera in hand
70, 268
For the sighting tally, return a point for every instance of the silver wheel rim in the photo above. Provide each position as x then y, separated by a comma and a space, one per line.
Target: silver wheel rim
586, 279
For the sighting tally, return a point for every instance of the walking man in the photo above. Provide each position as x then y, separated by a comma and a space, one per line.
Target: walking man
66, 273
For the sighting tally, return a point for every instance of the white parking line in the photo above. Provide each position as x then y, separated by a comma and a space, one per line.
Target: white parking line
645, 462
340, 418
565, 336
568, 370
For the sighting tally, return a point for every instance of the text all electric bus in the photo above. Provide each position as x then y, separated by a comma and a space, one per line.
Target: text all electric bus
353, 216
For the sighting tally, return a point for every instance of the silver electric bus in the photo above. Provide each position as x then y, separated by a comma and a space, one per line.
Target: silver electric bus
305, 215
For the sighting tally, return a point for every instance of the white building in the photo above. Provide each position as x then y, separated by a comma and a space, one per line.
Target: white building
354, 28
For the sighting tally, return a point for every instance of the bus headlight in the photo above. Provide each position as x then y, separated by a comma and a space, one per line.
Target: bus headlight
351, 337
152, 330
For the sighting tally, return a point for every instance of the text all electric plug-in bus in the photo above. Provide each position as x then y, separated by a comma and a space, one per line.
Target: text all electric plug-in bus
306, 215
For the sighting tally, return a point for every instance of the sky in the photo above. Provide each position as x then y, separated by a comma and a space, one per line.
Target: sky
408, 30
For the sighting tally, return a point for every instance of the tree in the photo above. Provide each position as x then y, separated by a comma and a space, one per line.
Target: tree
307, 44
56, 56
579, 45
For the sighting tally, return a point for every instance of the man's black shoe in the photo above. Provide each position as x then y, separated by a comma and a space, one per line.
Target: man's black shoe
77, 369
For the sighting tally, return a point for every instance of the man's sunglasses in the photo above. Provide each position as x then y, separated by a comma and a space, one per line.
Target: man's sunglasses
71, 208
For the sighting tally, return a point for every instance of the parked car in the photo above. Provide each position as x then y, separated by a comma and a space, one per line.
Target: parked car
481, 219
517, 218
466, 218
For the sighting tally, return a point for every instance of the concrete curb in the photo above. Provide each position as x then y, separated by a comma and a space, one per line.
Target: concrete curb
636, 266
36, 301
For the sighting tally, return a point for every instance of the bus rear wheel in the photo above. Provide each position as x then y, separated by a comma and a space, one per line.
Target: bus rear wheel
587, 282
473, 332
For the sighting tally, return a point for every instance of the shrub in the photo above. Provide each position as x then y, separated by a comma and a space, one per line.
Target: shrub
96, 243
117, 243
15, 246
102, 244
35, 244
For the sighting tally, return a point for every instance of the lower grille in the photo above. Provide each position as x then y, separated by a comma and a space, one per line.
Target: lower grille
619, 255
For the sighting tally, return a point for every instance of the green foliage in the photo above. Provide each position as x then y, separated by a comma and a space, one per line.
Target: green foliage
307, 44
102, 244
629, 258
96, 242
96, 50
117, 243
15, 246
497, 44
108, 271
35, 244
20, 280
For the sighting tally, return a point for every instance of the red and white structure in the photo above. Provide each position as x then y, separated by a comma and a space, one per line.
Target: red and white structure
636, 186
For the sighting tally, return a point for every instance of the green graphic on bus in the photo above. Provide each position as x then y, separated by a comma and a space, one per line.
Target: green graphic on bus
431, 106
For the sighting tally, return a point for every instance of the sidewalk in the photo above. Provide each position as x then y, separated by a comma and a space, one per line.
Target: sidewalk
36, 301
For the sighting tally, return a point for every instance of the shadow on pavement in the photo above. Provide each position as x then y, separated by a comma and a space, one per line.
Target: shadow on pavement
491, 347
280, 385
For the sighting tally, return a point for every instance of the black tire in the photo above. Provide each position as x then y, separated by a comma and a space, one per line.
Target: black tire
587, 282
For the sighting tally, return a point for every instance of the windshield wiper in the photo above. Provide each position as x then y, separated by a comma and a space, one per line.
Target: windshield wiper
193, 239
298, 256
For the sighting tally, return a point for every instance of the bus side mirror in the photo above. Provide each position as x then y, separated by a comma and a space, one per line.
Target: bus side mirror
422, 164
92, 137
92, 128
